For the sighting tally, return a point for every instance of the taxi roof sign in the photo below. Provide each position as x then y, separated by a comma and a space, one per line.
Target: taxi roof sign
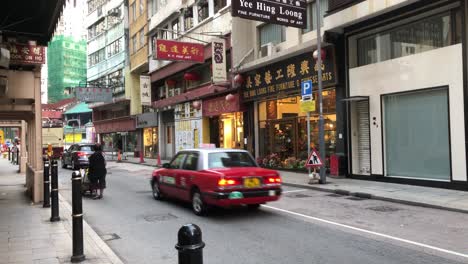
207, 146
314, 160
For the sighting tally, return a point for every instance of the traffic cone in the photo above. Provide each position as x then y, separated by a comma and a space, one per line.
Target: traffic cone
141, 157
119, 157
159, 160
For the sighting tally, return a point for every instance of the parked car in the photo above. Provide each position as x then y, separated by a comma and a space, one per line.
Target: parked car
216, 177
77, 156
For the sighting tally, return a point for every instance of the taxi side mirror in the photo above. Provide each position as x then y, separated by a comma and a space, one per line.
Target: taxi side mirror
166, 165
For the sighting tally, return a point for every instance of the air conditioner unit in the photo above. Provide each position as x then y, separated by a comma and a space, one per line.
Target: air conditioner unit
267, 49
4, 58
114, 12
3, 86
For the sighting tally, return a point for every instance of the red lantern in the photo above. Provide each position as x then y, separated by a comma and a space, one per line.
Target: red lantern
171, 82
230, 98
239, 79
323, 54
190, 76
196, 105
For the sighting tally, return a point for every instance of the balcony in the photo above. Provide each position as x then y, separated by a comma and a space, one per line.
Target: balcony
337, 5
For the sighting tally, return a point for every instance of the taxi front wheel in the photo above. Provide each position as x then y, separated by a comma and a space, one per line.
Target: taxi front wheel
198, 205
156, 191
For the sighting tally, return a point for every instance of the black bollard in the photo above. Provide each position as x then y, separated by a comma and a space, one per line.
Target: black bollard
18, 160
9, 153
190, 244
46, 203
77, 215
54, 193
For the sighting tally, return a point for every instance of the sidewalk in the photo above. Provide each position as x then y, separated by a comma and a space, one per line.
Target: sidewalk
28, 236
400, 193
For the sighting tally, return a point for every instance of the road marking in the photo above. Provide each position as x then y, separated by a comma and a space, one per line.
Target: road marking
302, 190
369, 232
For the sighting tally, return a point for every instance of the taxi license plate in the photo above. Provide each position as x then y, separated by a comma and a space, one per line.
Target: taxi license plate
252, 182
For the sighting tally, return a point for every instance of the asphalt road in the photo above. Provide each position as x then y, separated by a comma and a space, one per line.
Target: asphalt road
305, 226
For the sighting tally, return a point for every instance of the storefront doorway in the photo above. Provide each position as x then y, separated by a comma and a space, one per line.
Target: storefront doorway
227, 131
283, 138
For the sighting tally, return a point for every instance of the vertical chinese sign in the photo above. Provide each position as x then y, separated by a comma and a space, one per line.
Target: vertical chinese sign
26, 54
145, 90
219, 61
179, 51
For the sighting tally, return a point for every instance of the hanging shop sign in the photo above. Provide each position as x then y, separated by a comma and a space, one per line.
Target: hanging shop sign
291, 13
219, 60
145, 89
286, 76
26, 54
179, 51
93, 94
219, 105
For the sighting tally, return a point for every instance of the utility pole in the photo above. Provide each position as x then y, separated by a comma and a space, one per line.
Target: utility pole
323, 177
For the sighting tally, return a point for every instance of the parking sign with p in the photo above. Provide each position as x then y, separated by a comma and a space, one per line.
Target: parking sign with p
306, 90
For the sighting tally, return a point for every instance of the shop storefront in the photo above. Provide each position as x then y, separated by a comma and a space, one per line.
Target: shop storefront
147, 127
226, 125
117, 134
281, 125
406, 112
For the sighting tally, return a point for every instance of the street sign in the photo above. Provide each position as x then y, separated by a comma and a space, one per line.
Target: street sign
307, 106
306, 89
314, 160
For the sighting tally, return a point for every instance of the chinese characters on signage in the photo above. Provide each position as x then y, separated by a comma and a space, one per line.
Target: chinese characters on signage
93, 94
219, 105
145, 90
26, 54
286, 76
291, 13
219, 61
179, 51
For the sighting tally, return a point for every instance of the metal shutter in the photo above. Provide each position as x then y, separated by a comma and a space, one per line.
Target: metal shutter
363, 137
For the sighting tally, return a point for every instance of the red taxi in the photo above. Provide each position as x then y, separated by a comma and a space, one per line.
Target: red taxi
216, 177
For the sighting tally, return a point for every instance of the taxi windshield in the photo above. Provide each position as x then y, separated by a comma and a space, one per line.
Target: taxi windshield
230, 159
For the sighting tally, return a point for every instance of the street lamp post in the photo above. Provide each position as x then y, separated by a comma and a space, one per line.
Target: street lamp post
323, 178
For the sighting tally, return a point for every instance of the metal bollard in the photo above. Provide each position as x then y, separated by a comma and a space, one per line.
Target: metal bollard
77, 216
18, 160
46, 203
9, 154
54, 193
190, 244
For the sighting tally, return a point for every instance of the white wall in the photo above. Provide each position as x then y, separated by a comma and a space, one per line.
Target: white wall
409, 73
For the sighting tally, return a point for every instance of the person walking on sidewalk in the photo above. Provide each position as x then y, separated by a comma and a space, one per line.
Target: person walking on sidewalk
97, 171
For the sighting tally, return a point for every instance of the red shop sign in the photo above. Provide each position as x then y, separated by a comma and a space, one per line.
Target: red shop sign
219, 105
27, 54
179, 51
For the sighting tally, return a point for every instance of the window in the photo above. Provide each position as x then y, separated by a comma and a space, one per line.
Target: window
142, 38
134, 44
230, 159
163, 33
188, 18
427, 34
114, 48
272, 33
94, 4
175, 28
219, 4
133, 10
311, 15
112, 21
96, 29
416, 131
177, 161
100, 82
88, 148
97, 57
115, 79
152, 7
142, 7
203, 12
191, 162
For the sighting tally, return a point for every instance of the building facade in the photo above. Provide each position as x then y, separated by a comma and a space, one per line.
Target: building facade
182, 89
66, 66
107, 26
405, 89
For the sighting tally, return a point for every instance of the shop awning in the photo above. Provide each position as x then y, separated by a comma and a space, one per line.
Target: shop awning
355, 99
191, 95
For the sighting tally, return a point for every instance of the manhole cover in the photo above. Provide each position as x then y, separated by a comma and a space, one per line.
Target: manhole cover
335, 195
109, 237
159, 218
385, 209
299, 195
356, 198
